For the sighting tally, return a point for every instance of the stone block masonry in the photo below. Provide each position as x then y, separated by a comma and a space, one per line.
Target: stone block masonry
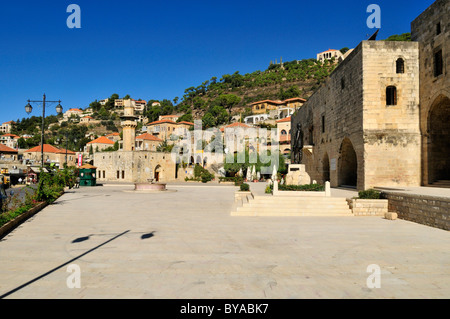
423, 209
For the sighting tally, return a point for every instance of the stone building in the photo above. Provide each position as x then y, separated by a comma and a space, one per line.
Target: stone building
328, 55
51, 155
284, 135
360, 129
137, 161
382, 117
432, 30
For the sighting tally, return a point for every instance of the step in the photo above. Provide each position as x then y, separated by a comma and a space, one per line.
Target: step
293, 210
268, 214
309, 207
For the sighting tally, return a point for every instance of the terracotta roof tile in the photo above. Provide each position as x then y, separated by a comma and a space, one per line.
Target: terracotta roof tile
101, 140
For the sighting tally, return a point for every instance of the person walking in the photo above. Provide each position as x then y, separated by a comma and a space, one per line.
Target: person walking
77, 182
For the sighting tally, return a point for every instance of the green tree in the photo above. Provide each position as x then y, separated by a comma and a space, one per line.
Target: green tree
208, 121
400, 37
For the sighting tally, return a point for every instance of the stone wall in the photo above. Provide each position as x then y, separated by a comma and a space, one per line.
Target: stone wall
339, 103
351, 136
434, 90
428, 210
135, 166
392, 143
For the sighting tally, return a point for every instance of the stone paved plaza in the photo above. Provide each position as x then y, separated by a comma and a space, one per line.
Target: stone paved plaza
184, 244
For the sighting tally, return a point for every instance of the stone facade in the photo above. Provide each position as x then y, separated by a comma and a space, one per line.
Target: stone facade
136, 167
432, 30
348, 131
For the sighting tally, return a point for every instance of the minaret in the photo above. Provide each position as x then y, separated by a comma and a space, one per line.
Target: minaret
129, 126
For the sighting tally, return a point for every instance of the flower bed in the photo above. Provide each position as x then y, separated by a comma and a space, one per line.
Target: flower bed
10, 220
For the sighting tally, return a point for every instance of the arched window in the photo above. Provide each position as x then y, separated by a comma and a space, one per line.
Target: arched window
283, 132
391, 95
400, 66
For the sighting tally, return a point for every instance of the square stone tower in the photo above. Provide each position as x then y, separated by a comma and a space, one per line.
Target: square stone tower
129, 126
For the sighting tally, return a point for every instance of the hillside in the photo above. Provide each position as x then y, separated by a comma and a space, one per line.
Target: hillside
280, 81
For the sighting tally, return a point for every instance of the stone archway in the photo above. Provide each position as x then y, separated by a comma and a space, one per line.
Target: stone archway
157, 173
326, 168
438, 144
348, 165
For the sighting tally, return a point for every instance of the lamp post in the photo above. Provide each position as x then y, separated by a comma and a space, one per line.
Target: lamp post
29, 108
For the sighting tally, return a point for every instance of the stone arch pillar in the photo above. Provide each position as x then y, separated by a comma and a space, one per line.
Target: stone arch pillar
437, 139
348, 165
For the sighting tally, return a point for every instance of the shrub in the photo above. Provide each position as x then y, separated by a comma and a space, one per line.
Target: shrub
369, 194
244, 187
268, 189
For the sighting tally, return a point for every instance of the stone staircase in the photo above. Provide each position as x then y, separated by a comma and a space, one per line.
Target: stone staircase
292, 206
441, 183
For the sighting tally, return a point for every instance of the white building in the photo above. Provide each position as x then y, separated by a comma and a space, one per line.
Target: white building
329, 54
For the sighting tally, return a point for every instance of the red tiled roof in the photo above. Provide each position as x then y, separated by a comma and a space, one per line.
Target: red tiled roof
12, 135
47, 149
287, 119
75, 110
237, 124
63, 151
6, 149
149, 137
88, 117
295, 99
112, 134
267, 101
162, 121
9, 122
185, 122
101, 140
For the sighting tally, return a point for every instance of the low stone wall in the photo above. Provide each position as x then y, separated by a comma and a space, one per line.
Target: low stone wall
11, 225
427, 210
368, 207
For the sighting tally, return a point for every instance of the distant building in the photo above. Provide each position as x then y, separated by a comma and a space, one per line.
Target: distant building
103, 102
9, 140
277, 109
98, 144
168, 117
113, 136
284, 135
7, 153
51, 155
147, 142
328, 55
164, 129
255, 119
140, 105
118, 103
72, 112
6, 127
88, 120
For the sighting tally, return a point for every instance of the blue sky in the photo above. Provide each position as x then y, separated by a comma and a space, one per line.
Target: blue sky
157, 49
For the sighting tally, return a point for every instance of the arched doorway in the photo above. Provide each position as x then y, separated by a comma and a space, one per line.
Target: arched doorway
348, 165
157, 173
439, 140
326, 168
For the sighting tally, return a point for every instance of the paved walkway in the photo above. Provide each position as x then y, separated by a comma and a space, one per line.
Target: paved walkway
184, 244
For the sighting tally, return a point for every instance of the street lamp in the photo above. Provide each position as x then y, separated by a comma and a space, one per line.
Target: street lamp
29, 108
